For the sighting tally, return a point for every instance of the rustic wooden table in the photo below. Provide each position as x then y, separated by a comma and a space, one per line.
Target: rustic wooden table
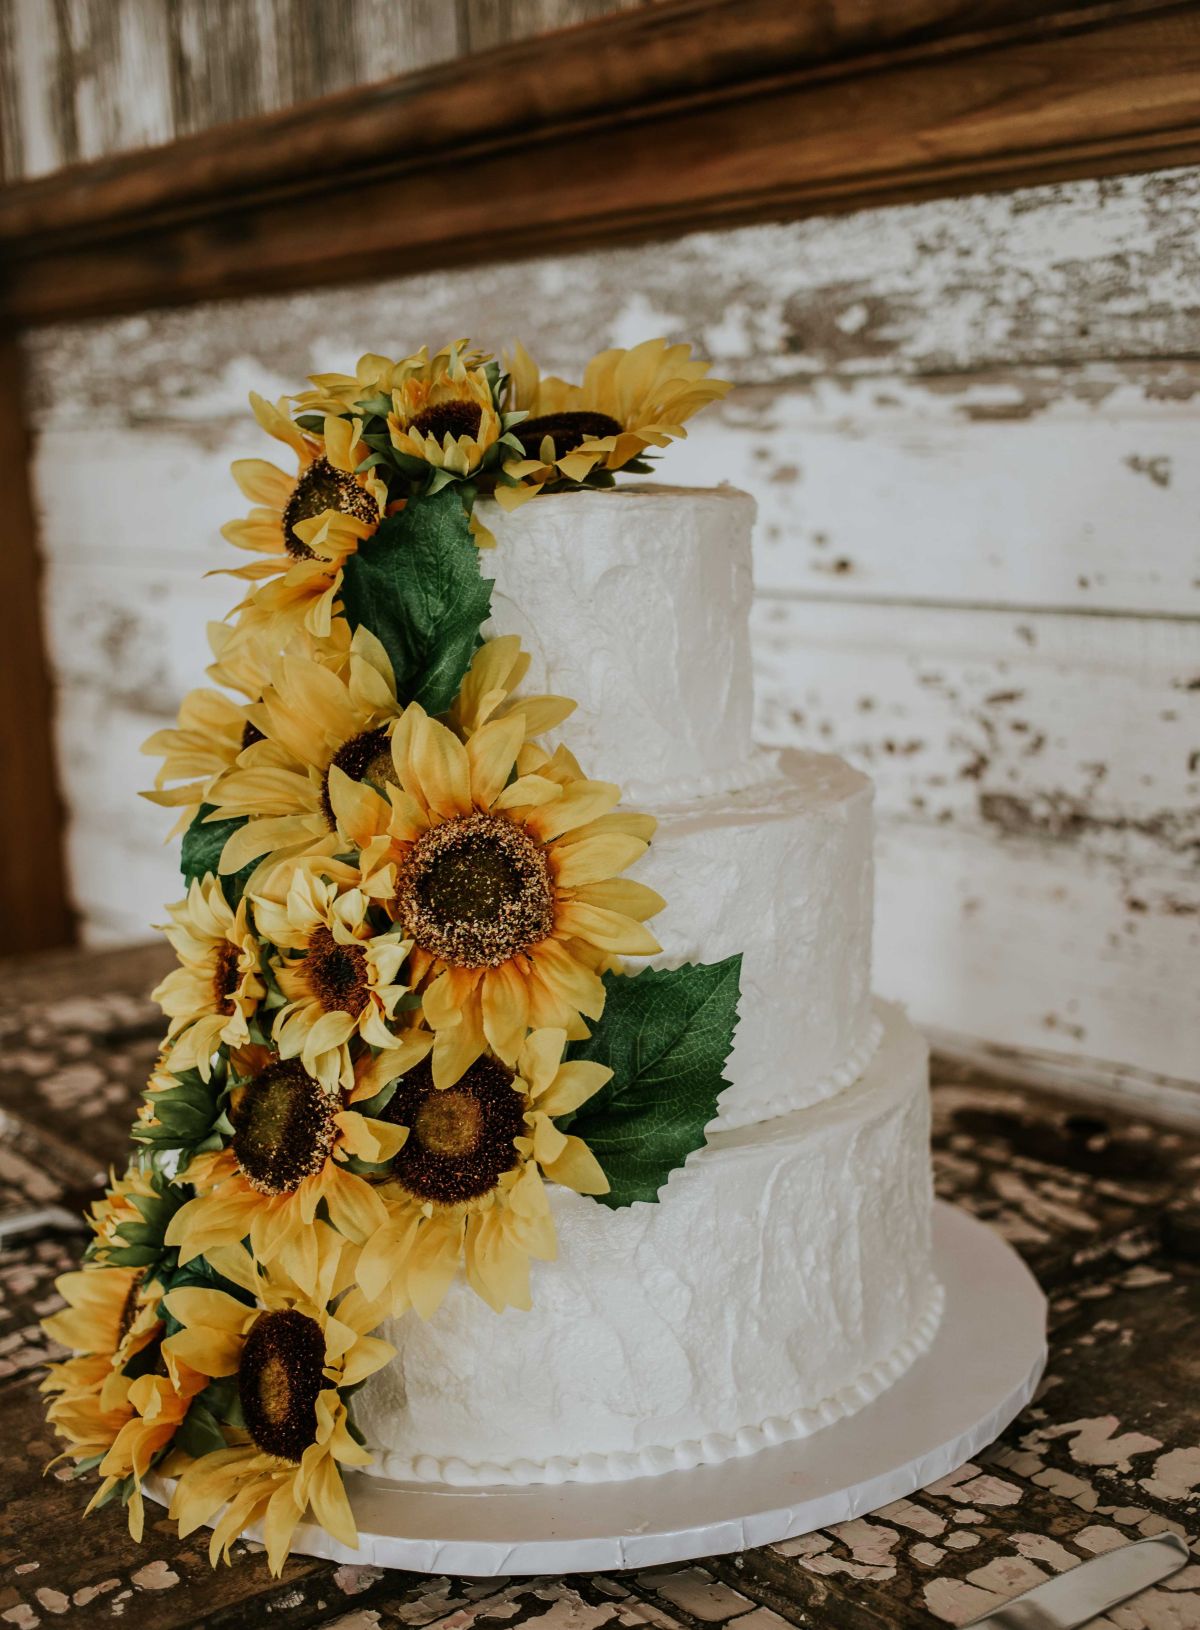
1105, 1209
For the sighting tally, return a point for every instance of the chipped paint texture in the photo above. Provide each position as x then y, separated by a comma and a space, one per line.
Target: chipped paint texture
968, 426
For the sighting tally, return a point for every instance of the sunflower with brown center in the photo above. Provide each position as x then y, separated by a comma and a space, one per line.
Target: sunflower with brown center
218, 984
288, 1155
110, 1318
294, 1352
341, 978
157, 1406
507, 866
467, 1190
628, 401
212, 729
443, 415
304, 526
314, 717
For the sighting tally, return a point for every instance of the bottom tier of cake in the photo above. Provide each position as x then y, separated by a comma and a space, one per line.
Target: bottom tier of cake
781, 1282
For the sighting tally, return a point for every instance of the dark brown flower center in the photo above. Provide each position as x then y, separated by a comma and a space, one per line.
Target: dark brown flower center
337, 974
363, 758
283, 1128
225, 976
452, 418
321, 487
129, 1307
460, 1139
279, 1379
566, 430
250, 734
476, 891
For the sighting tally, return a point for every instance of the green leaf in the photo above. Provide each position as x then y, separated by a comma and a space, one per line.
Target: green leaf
665, 1034
198, 1433
416, 585
201, 852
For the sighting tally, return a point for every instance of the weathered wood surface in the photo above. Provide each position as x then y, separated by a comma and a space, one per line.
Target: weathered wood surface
96, 77
1106, 1209
688, 114
968, 428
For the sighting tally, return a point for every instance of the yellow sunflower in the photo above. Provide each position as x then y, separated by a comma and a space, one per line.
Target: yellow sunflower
376, 376
343, 983
305, 525
628, 401
209, 733
313, 718
110, 1317
212, 729
116, 1206
467, 1189
373, 375
294, 1357
287, 1156
509, 888
487, 692
443, 415
157, 1405
89, 1407
219, 983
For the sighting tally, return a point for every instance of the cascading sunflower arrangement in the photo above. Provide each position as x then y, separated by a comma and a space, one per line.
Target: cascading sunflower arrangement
399, 1014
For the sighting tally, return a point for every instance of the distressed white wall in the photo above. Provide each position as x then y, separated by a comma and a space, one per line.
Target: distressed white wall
970, 426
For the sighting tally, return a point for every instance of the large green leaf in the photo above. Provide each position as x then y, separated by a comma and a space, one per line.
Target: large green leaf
665, 1034
201, 852
417, 586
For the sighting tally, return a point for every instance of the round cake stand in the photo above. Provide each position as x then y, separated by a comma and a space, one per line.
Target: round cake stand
977, 1376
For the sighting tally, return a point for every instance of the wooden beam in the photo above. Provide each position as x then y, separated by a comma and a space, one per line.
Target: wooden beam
686, 114
34, 911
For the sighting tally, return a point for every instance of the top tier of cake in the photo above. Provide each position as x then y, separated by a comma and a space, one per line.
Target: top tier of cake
636, 602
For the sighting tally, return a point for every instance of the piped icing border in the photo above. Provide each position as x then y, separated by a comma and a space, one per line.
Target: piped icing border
711, 1450
828, 1086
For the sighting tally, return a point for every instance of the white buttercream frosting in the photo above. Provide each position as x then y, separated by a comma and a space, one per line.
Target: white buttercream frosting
781, 872
635, 601
780, 1282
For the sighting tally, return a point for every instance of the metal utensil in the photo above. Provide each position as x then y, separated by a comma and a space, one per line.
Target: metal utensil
1084, 1593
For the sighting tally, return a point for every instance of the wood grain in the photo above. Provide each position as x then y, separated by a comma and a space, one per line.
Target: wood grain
96, 77
34, 912
653, 122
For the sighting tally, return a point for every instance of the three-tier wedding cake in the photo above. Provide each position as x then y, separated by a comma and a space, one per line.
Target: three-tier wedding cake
522, 1114
783, 1278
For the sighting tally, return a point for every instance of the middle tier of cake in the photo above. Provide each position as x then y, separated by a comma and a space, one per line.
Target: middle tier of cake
782, 873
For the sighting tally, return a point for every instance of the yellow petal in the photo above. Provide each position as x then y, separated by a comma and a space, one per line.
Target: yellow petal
574, 1084
577, 1168
492, 752
595, 859
439, 762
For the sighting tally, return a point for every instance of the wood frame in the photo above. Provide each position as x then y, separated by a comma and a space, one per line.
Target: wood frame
684, 114
680, 115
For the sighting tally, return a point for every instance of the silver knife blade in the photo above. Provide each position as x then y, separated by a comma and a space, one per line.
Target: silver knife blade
1073, 1598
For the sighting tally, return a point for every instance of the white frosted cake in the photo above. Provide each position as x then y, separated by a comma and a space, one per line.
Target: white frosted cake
782, 1279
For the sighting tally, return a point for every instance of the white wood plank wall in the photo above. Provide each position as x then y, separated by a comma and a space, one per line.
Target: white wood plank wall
970, 426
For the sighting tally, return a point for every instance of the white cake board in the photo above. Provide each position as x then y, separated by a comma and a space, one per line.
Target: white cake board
980, 1372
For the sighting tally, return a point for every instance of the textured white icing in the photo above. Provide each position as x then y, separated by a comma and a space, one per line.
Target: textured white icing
635, 602
782, 872
780, 1282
